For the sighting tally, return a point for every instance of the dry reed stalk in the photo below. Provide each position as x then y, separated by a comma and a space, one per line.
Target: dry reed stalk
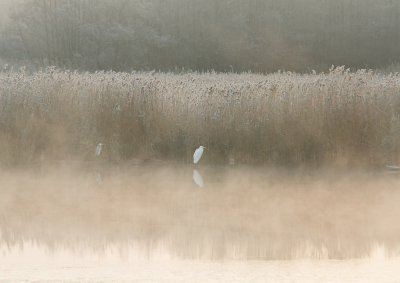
282, 118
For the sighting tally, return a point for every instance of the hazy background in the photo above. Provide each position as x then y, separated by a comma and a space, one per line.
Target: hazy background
224, 35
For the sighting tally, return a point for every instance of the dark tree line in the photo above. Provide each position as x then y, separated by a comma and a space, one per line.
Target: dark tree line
224, 35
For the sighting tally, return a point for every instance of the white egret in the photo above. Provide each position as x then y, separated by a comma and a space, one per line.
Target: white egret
197, 154
98, 149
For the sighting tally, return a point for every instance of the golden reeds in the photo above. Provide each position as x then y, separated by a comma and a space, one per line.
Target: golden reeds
284, 118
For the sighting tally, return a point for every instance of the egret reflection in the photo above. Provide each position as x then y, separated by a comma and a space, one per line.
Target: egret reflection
197, 178
97, 176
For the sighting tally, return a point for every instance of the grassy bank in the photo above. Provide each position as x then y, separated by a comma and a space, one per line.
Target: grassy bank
340, 118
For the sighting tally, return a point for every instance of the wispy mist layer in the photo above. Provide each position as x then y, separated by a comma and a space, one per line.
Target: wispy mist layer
239, 213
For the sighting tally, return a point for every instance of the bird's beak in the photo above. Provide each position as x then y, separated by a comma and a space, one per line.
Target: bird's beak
204, 147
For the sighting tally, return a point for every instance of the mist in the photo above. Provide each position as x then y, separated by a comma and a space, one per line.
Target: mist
239, 213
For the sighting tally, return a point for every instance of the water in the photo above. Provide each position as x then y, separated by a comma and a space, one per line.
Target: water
92, 223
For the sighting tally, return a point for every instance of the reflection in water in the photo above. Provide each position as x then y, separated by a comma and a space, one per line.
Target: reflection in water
197, 178
392, 169
154, 213
97, 177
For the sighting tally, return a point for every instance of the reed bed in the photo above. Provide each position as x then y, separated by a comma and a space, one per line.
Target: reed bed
338, 118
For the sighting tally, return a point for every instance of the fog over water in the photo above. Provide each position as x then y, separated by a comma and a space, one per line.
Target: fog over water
209, 223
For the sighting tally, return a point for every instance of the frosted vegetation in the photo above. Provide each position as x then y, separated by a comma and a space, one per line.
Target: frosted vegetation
339, 118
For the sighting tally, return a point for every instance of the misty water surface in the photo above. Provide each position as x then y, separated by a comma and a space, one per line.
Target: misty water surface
212, 224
